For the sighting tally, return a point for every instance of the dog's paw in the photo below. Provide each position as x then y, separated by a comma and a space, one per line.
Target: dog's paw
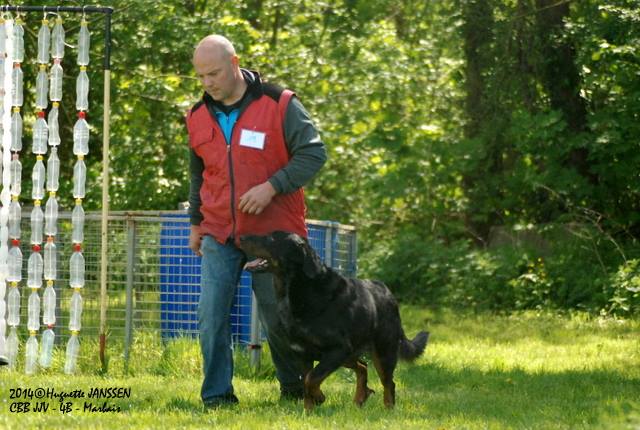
362, 397
312, 400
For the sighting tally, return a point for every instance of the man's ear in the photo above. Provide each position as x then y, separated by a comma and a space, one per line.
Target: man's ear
312, 266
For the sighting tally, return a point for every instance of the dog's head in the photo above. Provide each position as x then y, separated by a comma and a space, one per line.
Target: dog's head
284, 252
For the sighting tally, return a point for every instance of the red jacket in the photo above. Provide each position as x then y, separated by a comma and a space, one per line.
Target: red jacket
231, 170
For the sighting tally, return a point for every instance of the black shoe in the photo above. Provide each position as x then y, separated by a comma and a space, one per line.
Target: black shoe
216, 402
292, 394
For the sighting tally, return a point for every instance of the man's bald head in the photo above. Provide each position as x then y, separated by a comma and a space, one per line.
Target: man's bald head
215, 45
217, 66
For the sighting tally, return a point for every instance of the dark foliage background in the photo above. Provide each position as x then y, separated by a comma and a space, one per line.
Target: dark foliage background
487, 150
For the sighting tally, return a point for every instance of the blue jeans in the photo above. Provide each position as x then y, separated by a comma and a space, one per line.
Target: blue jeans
221, 269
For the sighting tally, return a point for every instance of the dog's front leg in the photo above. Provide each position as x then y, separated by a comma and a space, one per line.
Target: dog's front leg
328, 364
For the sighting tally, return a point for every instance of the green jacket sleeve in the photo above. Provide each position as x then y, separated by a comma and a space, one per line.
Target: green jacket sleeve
196, 167
308, 153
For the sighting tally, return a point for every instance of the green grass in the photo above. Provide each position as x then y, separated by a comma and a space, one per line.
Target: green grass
537, 371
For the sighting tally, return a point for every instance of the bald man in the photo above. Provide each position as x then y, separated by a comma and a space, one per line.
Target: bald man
253, 148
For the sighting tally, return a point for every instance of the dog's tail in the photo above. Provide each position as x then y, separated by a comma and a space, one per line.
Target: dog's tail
409, 350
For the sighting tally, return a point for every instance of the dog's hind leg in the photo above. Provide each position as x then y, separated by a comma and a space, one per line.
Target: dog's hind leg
385, 362
362, 391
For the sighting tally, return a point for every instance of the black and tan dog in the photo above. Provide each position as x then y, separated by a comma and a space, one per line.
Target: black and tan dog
332, 319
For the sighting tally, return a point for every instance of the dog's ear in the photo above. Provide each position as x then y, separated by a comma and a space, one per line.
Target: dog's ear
312, 266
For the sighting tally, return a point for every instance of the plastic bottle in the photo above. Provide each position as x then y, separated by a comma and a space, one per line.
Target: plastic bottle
51, 216
42, 88
44, 42
16, 130
37, 179
33, 310
84, 43
18, 41
31, 355
53, 171
40, 135
35, 267
4, 214
73, 348
55, 86
37, 223
2, 71
46, 348
15, 217
3, 339
77, 222
75, 312
50, 260
76, 268
12, 347
82, 90
79, 178
57, 40
3, 35
49, 299
13, 307
17, 96
14, 261
4, 237
4, 267
54, 128
16, 175
5, 195
81, 135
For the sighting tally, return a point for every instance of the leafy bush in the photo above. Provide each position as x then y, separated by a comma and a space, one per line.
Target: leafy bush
624, 289
568, 267
415, 268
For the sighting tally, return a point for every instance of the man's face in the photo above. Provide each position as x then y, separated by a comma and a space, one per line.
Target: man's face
216, 72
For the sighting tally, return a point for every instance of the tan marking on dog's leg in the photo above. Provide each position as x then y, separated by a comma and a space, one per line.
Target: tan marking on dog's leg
387, 381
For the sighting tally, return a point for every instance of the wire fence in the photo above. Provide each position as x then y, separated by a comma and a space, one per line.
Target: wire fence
153, 278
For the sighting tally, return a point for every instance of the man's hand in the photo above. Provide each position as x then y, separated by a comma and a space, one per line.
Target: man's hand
255, 200
195, 239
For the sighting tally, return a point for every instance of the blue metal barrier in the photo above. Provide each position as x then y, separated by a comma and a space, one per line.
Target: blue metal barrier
180, 275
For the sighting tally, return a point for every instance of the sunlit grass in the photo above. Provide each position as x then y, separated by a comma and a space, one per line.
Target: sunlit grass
480, 371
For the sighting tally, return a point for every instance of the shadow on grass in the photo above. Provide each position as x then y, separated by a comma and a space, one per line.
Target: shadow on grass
184, 405
432, 393
515, 397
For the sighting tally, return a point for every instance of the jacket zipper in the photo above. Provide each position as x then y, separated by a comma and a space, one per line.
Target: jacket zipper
232, 177
233, 189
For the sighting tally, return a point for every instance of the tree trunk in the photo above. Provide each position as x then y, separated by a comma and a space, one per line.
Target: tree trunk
477, 38
561, 78
251, 12
477, 35
276, 26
